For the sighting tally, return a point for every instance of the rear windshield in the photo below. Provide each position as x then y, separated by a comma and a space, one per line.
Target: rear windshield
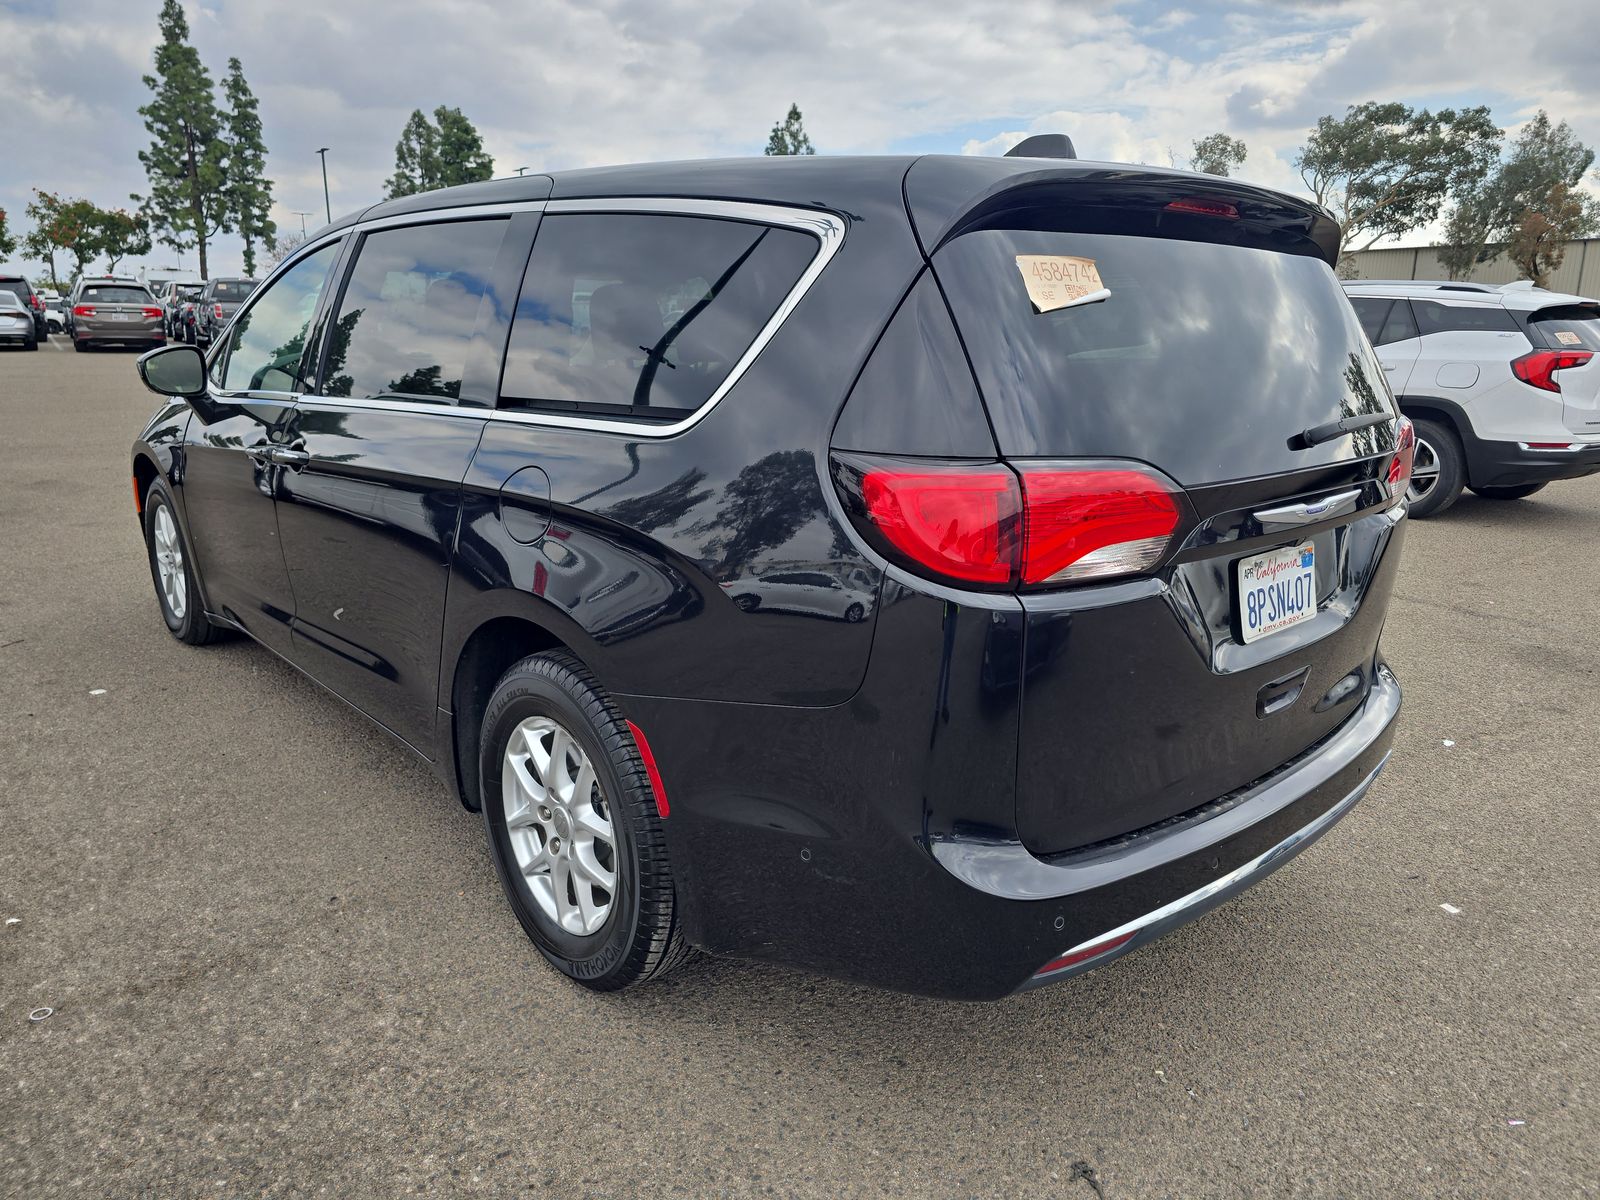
234, 289
1573, 327
1203, 359
188, 291
115, 295
18, 287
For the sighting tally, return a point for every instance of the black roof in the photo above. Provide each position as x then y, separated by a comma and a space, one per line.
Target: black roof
938, 189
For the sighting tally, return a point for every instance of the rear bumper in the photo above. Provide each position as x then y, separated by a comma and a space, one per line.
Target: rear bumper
129, 333
1509, 464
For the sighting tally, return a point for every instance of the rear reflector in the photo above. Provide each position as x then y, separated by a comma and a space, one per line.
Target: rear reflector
1084, 953
998, 526
1205, 208
1405, 456
650, 769
1540, 366
138, 497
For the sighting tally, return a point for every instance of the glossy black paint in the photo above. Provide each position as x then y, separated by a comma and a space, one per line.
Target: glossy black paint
815, 755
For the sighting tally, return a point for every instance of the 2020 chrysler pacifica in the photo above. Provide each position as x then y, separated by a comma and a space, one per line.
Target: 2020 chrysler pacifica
1097, 454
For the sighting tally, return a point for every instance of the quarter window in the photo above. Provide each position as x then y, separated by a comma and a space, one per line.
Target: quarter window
1371, 312
1401, 325
267, 341
643, 315
407, 315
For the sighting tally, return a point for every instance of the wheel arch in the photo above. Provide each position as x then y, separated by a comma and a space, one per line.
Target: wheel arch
485, 655
145, 472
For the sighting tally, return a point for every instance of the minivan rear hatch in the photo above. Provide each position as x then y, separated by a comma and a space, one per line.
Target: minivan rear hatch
1194, 327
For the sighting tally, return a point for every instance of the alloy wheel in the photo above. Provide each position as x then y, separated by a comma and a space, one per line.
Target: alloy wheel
1424, 471
559, 824
169, 563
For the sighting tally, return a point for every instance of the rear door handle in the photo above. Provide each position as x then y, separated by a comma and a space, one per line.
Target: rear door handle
1309, 511
286, 457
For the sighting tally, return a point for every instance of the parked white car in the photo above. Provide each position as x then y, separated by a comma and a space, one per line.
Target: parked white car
1502, 382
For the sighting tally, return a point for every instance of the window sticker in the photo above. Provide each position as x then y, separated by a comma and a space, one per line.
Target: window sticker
1567, 338
1061, 281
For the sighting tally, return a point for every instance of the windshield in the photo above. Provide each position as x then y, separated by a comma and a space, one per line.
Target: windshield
1201, 358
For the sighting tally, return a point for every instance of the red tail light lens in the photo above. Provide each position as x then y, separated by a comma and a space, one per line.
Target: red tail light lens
1093, 524
219, 312
1540, 366
1205, 208
83, 310
38, 302
958, 521
995, 526
1405, 456
151, 312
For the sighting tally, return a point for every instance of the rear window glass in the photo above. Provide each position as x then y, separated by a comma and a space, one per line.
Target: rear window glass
18, 287
188, 291
1433, 317
1572, 327
1203, 360
639, 314
231, 290
407, 315
115, 295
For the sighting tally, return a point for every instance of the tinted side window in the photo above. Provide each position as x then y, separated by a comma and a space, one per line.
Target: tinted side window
407, 314
266, 341
1433, 317
1400, 326
1371, 312
640, 314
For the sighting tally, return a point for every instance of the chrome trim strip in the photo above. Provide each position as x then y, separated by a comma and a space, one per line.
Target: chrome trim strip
828, 229
1186, 908
1310, 511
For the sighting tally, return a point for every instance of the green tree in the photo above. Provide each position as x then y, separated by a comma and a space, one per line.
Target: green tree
8, 240
1543, 159
789, 135
445, 152
189, 202
1218, 154
249, 189
1538, 243
1385, 169
119, 233
69, 226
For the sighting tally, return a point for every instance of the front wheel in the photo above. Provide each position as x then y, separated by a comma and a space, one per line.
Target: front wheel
574, 829
1519, 491
172, 571
1438, 472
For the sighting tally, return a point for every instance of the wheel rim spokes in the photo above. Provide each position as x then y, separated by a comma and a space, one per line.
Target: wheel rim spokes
169, 563
559, 823
1424, 471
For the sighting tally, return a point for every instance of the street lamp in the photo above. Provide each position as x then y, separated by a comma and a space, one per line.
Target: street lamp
520, 170
325, 204
302, 216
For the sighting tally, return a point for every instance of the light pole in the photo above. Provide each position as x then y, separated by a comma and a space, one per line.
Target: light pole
520, 170
302, 216
325, 204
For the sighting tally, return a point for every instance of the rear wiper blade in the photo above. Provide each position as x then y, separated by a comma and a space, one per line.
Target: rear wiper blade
1329, 430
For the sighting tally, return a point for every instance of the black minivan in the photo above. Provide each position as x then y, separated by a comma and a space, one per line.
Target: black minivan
946, 573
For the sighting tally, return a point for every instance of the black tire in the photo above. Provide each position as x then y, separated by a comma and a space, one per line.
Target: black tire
641, 938
193, 627
1520, 491
31, 344
1452, 476
79, 345
854, 613
747, 602
188, 334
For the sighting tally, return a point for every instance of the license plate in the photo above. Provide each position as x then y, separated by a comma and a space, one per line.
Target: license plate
1277, 590
121, 316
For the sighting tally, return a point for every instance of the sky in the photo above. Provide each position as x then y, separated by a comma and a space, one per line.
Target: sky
553, 84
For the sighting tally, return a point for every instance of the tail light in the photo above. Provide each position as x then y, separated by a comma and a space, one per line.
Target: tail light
151, 312
38, 302
1540, 366
1405, 457
83, 310
218, 312
998, 526
1202, 207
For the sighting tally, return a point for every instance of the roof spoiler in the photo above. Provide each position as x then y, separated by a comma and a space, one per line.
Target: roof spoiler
1043, 145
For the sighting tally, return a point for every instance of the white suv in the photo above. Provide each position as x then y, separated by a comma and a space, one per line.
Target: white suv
1503, 383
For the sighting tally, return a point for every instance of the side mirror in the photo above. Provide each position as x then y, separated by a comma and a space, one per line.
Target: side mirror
174, 371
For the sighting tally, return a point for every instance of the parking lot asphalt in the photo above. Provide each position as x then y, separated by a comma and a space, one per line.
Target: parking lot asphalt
280, 964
